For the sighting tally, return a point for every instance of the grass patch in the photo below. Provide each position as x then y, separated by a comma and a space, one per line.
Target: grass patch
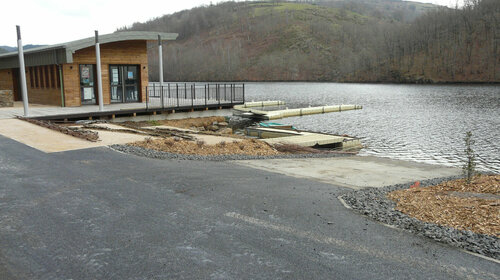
154, 123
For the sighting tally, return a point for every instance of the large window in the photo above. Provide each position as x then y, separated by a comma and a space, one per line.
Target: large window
124, 83
47, 79
53, 74
87, 84
58, 80
37, 82
32, 78
40, 73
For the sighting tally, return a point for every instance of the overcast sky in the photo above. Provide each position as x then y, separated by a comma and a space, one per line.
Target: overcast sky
57, 21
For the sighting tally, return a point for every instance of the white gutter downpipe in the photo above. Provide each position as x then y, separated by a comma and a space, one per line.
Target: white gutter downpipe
22, 71
160, 60
99, 78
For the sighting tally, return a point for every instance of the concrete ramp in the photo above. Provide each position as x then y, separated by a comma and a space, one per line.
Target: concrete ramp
354, 172
275, 136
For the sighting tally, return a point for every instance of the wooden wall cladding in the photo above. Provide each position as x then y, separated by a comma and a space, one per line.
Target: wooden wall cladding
126, 52
6, 80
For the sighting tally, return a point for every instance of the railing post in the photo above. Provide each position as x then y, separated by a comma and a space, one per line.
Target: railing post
243, 93
185, 92
192, 97
147, 98
177, 93
225, 97
148, 95
218, 92
162, 98
205, 89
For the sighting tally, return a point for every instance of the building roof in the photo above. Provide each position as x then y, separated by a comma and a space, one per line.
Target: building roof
63, 53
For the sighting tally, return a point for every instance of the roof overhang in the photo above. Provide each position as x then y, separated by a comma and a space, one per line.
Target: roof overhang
63, 53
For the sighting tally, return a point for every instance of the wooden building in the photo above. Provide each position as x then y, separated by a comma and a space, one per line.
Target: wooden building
65, 74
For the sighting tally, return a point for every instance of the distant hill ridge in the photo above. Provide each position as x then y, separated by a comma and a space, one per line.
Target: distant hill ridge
14, 49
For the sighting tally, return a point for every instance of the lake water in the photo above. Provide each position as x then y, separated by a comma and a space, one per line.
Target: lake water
423, 123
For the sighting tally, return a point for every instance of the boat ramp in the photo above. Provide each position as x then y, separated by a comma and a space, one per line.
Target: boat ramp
303, 138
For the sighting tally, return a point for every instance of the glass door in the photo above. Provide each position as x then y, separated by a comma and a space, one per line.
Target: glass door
124, 83
131, 81
116, 84
87, 84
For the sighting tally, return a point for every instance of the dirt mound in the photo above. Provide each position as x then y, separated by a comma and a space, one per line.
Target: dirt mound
240, 147
204, 122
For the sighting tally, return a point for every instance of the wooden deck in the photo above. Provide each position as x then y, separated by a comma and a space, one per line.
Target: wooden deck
92, 111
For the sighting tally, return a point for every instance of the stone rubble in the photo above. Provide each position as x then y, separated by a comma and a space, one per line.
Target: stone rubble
373, 202
6, 98
139, 151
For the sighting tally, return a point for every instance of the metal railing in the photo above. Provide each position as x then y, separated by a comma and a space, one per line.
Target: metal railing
184, 95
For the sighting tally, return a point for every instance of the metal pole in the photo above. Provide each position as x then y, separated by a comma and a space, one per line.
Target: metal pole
147, 99
177, 93
160, 60
22, 71
162, 98
99, 77
61, 85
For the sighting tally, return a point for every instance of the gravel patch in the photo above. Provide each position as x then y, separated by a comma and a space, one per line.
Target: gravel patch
373, 202
150, 153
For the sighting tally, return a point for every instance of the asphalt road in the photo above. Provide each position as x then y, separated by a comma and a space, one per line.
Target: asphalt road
100, 214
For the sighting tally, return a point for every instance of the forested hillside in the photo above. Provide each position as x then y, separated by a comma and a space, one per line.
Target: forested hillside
336, 40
